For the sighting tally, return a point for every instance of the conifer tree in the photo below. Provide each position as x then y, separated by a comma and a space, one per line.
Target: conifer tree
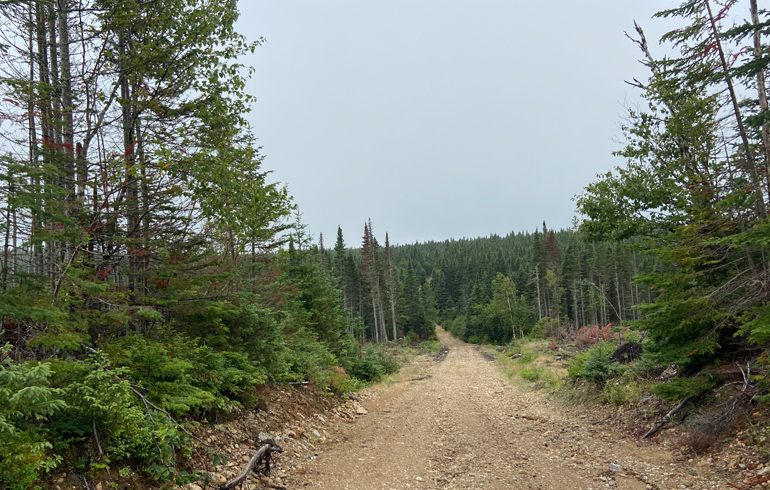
391, 283
689, 196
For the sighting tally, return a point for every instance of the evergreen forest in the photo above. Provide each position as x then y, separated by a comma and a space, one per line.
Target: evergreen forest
152, 275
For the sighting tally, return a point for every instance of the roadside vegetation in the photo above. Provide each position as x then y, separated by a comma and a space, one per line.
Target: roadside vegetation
670, 250
152, 277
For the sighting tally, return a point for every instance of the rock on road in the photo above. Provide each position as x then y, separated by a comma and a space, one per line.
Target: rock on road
460, 424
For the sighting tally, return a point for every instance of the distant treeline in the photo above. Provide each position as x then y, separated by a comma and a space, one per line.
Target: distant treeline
488, 289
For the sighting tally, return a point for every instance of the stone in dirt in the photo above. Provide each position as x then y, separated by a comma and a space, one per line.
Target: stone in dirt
361, 410
263, 436
217, 479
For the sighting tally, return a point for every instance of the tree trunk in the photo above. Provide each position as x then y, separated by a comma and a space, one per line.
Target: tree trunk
758, 193
575, 310
68, 143
7, 238
537, 284
383, 329
761, 87
53, 59
617, 292
375, 326
129, 142
36, 265
393, 317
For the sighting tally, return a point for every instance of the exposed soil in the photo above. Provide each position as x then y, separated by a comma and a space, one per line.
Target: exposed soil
459, 424
454, 421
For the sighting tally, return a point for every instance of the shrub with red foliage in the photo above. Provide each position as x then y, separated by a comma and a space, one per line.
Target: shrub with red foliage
591, 334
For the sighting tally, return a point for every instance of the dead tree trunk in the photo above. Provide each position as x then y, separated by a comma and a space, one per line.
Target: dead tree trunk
761, 86
263, 454
660, 423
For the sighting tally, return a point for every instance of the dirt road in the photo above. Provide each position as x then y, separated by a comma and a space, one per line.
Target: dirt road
460, 424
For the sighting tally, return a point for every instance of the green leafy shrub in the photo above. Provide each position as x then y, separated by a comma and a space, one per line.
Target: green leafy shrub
599, 366
594, 364
538, 330
334, 380
633, 336
374, 365
390, 364
545, 327
304, 357
530, 374
101, 402
431, 346
625, 389
527, 357
26, 402
679, 388
458, 327
368, 369
513, 347
185, 378
165, 370
645, 366
615, 392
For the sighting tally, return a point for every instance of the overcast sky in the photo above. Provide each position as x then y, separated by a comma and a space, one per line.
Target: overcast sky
441, 118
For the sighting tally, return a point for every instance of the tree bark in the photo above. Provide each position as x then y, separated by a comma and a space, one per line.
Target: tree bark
68, 143
375, 326
537, 285
761, 87
261, 454
129, 142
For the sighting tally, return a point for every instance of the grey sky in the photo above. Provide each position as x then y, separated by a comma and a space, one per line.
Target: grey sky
438, 118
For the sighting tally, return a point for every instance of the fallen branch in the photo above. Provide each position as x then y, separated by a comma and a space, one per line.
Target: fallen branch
262, 454
96, 438
729, 370
664, 420
148, 403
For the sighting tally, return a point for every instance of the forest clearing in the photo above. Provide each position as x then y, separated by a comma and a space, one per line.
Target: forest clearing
458, 423
166, 313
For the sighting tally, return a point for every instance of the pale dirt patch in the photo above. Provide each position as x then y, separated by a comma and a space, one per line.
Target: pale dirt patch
464, 426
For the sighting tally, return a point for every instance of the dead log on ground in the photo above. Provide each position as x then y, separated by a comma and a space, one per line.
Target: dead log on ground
660, 423
263, 454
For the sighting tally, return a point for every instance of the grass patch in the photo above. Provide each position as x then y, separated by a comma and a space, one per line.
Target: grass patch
530, 374
533, 365
590, 377
429, 347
